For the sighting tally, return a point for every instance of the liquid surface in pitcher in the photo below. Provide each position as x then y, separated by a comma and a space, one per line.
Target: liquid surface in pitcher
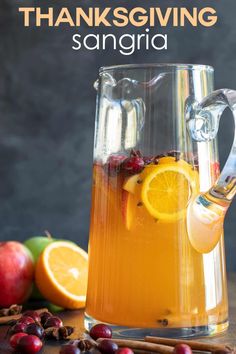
143, 270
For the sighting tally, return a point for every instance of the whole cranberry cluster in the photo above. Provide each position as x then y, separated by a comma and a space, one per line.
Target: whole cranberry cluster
29, 331
121, 163
135, 163
106, 346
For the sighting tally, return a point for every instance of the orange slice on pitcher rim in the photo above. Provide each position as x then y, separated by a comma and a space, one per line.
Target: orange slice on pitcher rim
167, 190
61, 274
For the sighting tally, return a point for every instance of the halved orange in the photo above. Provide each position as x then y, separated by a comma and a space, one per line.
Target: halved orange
61, 274
167, 190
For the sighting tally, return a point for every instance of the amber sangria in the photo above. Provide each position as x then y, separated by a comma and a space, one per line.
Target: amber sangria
141, 271
146, 275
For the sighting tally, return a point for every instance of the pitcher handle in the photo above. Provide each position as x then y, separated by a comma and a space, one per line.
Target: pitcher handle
207, 211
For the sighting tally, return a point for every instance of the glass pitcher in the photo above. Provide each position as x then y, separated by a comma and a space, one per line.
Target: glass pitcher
156, 248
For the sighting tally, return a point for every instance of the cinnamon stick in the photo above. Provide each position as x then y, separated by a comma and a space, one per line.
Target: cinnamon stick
196, 345
137, 345
6, 319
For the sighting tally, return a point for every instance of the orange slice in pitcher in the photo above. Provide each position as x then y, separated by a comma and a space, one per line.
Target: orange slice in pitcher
167, 190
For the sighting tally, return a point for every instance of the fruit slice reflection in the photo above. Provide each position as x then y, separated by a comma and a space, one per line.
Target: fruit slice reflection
205, 225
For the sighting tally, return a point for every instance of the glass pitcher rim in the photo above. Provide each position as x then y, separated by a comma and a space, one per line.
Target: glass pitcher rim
176, 66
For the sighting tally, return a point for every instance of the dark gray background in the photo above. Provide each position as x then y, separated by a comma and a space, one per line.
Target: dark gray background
47, 108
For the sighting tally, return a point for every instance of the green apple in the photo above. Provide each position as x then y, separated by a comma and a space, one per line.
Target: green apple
37, 244
54, 308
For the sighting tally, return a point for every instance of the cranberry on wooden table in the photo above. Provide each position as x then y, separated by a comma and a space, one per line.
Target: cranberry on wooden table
100, 330
18, 328
14, 340
182, 349
35, 329
26, 320
124, 351
106, 346
32, 314
69, 349
29, 345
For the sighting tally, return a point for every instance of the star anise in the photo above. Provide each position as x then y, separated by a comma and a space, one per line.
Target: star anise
11, 311
59, 333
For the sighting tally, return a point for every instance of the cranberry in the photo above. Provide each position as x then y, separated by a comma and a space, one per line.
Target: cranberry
14, 340
124, 351
53, 321
35, 329
182, 349
44, 316
32, 314
113, 164
26, 320
29, 345
69, 349
100, 330
133, 165
18, 328
106, 346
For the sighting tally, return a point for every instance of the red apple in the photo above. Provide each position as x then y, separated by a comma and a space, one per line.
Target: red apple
16, 273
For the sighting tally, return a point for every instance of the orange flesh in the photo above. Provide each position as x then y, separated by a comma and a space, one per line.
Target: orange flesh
165, 187
69, 270
149, 271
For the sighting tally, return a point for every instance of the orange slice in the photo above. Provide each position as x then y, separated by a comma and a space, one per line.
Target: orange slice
165, 160
167, 190
61, 274
172, 160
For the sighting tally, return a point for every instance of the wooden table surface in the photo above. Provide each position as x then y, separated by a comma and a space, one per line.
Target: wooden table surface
75, 319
